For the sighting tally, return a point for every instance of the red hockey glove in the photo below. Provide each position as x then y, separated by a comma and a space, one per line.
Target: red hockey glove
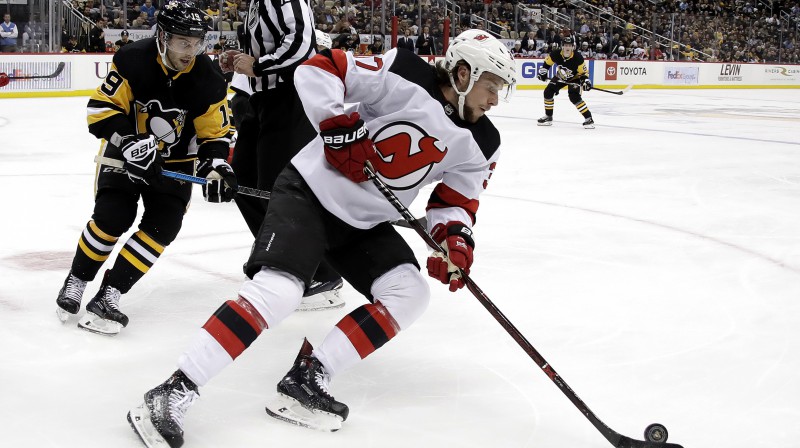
4, 79
456, 239
347, 145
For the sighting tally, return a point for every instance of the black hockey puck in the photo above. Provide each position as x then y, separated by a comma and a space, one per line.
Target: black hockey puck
655, 432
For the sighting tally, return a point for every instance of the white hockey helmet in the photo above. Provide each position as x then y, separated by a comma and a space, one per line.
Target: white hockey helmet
323, 40
483, 53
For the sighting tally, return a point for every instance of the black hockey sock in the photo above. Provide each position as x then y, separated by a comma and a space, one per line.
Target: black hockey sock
583, 109
94, 246
134, 260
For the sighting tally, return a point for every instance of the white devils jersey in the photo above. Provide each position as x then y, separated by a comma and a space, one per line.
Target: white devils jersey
418, 135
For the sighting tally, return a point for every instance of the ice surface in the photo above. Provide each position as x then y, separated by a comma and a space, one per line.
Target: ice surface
654, 261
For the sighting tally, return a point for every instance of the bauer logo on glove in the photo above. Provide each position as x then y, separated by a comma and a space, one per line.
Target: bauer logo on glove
337, 141
347, 145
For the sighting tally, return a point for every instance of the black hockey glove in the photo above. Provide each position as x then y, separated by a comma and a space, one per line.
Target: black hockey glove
222, 184
586, 85
543, 71
142, 161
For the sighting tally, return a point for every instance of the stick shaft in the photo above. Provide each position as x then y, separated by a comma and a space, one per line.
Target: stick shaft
247, 191
612, 436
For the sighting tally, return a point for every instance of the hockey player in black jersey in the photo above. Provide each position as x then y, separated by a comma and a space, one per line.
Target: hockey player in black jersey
417, 125
571, 72
161, 104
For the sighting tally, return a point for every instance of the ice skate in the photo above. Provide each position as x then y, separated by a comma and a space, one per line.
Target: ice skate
102, 312
589, 123
547, 120
159, 420
69, 298
303, 397
322, 296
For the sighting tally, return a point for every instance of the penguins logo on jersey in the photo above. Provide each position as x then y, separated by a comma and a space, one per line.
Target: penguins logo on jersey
165, 124
407, 154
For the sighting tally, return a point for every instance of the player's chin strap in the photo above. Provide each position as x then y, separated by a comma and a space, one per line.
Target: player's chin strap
462, 96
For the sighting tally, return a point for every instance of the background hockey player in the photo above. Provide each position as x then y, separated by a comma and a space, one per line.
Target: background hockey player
428, 125
278, 36
571, 73
157, 97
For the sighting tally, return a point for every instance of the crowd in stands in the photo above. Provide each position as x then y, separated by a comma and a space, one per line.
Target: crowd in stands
707, 30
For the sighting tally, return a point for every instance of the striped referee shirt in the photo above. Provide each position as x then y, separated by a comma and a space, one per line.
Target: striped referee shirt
280, 35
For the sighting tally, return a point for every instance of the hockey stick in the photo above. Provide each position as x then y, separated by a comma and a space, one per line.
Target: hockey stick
403, 223
247, 191
614, 92
58, 71
655, 433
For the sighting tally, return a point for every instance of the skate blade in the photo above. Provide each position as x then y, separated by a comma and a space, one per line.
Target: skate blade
588, 126
64, 315
548, 123
327, 300
291, 411
139, 418
96, 324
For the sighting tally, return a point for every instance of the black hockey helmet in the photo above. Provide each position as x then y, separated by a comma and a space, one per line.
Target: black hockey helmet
566, 40
183, 18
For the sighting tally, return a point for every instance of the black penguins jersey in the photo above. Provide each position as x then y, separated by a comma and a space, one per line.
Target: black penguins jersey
186, 111
574, 67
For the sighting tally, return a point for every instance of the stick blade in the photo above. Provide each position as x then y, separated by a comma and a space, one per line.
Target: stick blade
59, 69
627, 89
627, 442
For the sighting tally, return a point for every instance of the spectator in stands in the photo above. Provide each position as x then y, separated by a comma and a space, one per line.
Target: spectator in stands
599, 53
343, 26
123, 40
425, 44
517, 51
140, 22
72, 45
405, 40
228, 20
352, 42
150, 10
97, 37
327, 17
527, 43
8, 35
376, 47
32, 34
585, 51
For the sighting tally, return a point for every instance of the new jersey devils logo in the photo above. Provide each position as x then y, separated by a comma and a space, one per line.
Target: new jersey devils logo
407, 154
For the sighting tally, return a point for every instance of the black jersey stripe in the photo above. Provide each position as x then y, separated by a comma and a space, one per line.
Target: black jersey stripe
237, 324
370, 326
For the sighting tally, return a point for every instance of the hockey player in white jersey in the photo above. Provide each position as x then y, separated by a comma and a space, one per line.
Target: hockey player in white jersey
416, 125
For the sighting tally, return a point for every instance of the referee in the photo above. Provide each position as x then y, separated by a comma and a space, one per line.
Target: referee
278, 37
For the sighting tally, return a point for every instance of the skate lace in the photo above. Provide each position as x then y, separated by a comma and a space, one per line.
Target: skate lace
112, 298
323, 380
179, 402
75, 287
